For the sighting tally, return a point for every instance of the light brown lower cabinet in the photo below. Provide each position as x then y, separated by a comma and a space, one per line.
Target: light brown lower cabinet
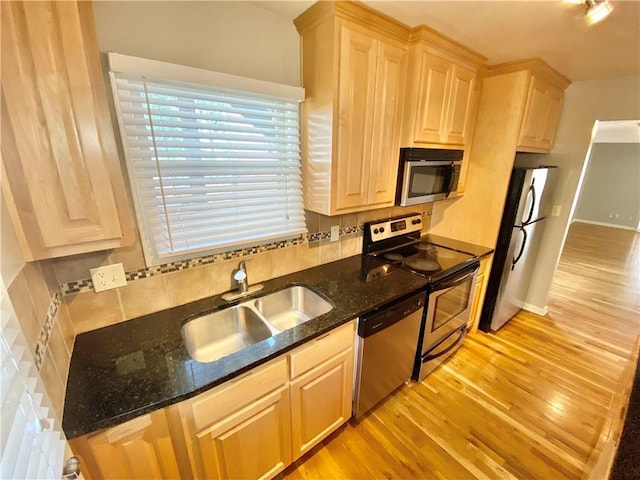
140, 448
255, 442
479, 292
321, 402
251, 427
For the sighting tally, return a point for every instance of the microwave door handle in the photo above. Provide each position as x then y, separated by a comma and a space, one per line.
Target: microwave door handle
450, 180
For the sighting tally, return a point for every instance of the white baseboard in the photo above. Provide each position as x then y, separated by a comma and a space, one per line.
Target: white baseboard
529, 307
603, 224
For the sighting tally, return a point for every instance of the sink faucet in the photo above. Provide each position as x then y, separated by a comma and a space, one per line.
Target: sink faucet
242, 283
241, 276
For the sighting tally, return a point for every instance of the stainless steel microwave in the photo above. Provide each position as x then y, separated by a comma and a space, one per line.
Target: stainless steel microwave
427, 174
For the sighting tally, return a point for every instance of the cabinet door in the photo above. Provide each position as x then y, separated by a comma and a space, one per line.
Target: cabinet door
321, 401
460, 105
555, 97
387, 115
357, 70
535, 113
541, 115
139, 449
478, 294
254, 442
432, 98
61, 173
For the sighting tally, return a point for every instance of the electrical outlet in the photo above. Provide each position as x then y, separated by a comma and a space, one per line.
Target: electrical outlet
108, 277
335, 233
555, 211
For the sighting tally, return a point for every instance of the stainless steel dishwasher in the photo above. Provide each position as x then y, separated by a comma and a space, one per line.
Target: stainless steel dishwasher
386, 350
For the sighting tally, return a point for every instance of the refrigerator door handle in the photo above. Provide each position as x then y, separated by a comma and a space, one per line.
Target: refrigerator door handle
532, 190
519, 255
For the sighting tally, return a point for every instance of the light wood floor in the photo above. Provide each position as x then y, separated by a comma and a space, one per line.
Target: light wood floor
542, 399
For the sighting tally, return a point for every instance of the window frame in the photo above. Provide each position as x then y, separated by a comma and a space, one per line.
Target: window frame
128, 66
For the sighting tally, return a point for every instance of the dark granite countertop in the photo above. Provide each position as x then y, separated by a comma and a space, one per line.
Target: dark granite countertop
125, 370
458, 245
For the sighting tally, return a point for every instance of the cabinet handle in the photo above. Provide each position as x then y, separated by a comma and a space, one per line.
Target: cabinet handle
323, 336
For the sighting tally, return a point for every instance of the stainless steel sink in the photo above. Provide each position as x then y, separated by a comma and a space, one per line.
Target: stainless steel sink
214, 335
218, 334
292, 306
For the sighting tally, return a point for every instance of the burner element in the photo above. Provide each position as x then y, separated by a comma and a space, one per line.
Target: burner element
393, 257
422, 264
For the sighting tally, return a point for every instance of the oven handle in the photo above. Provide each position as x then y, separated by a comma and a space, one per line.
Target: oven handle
463, 334
456, 281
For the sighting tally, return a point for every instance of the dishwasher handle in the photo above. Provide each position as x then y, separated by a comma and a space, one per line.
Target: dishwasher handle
387, 315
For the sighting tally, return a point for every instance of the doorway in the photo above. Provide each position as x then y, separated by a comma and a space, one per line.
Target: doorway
609, 190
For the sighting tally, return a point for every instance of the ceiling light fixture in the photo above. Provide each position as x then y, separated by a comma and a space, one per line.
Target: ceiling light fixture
597, 10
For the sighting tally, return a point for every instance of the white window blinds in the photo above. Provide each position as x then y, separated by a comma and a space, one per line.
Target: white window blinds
32, 444
212, 169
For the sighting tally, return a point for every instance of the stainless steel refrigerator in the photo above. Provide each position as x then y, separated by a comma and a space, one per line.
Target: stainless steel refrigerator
526, 207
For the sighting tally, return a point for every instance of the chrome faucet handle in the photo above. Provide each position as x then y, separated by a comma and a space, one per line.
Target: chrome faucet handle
241, 277
242, 283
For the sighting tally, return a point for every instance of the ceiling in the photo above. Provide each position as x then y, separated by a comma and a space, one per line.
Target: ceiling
505, 31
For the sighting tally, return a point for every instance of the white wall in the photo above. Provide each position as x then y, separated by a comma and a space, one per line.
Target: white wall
225, 36
585, 102
610, 191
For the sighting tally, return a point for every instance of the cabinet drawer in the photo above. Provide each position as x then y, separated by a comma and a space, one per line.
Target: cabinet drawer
213, 406
317, 351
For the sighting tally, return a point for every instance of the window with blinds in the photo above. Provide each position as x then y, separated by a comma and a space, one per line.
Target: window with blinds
32, 444
212, 168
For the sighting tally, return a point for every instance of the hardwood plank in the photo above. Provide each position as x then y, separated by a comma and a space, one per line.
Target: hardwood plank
542, 398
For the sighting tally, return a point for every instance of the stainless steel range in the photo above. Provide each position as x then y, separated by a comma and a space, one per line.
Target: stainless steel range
451, 275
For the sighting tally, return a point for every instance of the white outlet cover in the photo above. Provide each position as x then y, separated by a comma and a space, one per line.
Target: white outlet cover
108, 277
335, 233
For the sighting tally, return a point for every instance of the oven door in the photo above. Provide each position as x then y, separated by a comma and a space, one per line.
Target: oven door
427, 181
448, 307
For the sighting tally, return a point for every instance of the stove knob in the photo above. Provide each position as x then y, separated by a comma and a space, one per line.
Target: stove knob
417, 221
375, 230
381, 229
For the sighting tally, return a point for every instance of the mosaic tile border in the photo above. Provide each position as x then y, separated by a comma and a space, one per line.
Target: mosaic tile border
86, 285
45, 332
317, 236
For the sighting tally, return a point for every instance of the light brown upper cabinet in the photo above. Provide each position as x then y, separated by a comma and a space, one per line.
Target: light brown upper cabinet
61, 176
541, 114
353, 70
441, 91
541, 102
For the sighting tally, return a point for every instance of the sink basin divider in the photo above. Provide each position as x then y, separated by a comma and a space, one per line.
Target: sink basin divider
211, 335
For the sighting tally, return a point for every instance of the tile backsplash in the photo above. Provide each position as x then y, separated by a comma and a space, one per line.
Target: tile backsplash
151, 289
54, 299
46, 326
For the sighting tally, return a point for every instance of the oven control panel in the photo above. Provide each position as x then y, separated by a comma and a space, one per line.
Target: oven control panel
395, 227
